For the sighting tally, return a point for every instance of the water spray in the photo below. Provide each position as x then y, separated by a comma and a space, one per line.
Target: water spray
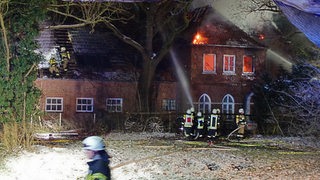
182, 77
280, 59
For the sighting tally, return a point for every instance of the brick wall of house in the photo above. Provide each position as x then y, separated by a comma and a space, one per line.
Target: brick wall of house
70, 89
218, 85
197, 63
165, 90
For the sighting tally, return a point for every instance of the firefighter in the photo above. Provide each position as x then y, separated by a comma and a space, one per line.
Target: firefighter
240, 121
188, 123
199, 125
192, 111
65, 58
99, 158
212, 124
54, 67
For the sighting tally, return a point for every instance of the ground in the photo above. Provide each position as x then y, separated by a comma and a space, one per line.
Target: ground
167, 156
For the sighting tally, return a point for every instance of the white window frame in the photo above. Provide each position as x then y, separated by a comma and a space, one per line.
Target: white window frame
114, 106
84, 106
169, 104
228, 104
204, 103
58, 102
214, 64
229, 71
247, 73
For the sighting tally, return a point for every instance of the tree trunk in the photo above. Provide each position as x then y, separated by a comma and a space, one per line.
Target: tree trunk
145, 82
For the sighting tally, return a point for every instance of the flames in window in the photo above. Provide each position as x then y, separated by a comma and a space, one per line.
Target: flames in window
199, 39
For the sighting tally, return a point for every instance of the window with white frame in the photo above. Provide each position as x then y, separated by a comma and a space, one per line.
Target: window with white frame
204, 103
229, 62
169, 104
247, 67
228, 104
54, 104
209, 63
84, 105
114, 104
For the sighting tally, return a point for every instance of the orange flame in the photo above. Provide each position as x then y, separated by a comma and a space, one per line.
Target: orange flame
199, 39
261, 36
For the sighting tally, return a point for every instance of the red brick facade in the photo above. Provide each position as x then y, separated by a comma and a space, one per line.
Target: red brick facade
217, 85
69, 90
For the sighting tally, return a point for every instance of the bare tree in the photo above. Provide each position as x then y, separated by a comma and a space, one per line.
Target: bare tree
262, 5
162, 21
297, 102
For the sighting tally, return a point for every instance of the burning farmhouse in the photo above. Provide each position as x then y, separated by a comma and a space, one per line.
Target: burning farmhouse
221, 63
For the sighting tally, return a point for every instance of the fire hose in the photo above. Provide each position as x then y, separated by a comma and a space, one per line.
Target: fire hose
233, 132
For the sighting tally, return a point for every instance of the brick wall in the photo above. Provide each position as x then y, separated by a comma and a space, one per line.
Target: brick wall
69, 90
217, 85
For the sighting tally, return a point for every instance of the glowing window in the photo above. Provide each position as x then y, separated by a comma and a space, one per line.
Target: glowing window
54, 104
209, 63
114, 104
247, 64
84, 105
229, 64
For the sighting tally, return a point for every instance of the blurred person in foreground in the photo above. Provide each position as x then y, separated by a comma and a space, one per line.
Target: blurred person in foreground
99, 158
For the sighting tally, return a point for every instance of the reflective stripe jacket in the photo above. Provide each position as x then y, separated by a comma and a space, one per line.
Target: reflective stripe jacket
200, 124
99, 168
240, 119
188, 120
213, 122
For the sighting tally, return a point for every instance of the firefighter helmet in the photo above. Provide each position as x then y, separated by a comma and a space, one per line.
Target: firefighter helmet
241, 110
214, 111
199, 114
192, 109
63, 49
188, 111
94, 143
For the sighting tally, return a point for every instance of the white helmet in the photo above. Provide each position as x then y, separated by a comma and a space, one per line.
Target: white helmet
63, 49
214, 111
94, 143
199, 114
241, 110
188, 111
192, 109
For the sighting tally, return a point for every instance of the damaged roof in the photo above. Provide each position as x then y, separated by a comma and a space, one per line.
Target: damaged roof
219, 31
88, 47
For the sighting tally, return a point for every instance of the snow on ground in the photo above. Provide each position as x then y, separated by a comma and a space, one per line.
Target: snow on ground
46, 163
146, 156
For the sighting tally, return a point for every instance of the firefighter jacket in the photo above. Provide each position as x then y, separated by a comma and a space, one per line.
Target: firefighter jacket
53, 62
240, 120
213, 122
188, 120
200, 122
99, 167
65, 55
